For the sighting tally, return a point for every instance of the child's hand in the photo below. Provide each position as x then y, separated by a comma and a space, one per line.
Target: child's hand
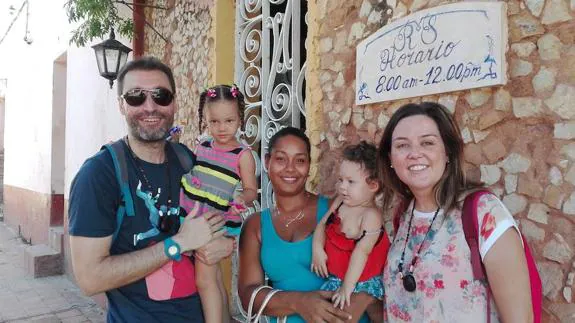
174, 134
237, 206
342, 297
319, 262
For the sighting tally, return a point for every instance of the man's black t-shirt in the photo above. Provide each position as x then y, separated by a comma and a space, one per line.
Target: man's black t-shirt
167, 295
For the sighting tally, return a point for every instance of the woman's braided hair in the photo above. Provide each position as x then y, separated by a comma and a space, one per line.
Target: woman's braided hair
221, 92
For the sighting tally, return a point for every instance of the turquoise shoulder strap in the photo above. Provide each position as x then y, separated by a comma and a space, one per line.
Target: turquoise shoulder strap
265, 223
118, 152
126, 207
322, 207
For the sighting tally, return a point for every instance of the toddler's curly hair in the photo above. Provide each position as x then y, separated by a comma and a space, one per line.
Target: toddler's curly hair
364, 154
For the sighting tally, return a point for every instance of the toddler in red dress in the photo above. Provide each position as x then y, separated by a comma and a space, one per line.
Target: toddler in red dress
349, 244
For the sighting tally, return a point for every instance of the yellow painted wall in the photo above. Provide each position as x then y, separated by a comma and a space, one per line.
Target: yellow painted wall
223, 31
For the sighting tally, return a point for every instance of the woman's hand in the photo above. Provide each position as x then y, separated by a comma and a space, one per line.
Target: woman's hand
317, 307
319, 262
215, 250
342, 296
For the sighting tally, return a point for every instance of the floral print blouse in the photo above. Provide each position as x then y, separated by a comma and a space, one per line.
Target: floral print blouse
446, 291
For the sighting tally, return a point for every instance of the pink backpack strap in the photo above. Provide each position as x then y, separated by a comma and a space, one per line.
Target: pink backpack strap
470, 229
470, 223
536, 285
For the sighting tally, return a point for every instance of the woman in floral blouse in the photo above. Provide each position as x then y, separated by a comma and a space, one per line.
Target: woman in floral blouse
428, 276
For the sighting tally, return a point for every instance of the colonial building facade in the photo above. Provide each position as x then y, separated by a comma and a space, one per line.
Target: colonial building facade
296, 61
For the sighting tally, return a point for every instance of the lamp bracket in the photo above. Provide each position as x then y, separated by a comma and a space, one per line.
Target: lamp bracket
140, 5
129, 5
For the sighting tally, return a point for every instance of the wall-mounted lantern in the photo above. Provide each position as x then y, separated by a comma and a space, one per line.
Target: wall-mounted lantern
111, 56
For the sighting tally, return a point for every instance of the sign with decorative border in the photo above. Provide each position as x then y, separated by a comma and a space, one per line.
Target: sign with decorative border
448, 48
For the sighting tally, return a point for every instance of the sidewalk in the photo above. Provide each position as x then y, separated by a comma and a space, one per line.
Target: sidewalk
42, 300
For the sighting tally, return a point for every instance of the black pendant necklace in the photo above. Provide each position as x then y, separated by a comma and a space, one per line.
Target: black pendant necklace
407, 278
140, 170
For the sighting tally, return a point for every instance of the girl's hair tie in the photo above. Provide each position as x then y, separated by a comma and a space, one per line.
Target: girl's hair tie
235, 92
211, 93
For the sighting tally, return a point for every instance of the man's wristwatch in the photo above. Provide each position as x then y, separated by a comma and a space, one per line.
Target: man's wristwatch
172, 249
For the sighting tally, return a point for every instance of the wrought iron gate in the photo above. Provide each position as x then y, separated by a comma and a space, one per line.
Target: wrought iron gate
270, 71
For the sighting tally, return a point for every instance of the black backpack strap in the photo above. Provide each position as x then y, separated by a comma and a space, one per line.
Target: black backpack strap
118, 153
186, 160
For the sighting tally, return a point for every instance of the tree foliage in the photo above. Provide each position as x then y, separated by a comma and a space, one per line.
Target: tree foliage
96, 18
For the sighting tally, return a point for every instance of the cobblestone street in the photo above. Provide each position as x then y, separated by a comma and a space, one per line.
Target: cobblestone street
50, 299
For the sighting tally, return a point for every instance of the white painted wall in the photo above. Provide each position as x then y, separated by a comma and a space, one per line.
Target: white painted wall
58, 141
28, 106
92, 114
2, 94
92, 117
1, 123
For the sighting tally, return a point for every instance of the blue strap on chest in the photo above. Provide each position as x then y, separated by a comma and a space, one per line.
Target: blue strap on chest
117, 150
118, 153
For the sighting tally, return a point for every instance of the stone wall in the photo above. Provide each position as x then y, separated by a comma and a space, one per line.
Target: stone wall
187, 25
194, 30
519, 137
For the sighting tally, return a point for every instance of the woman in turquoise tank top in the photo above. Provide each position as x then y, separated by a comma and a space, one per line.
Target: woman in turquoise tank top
277, 242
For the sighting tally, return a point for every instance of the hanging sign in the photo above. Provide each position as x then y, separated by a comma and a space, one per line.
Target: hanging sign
448, 48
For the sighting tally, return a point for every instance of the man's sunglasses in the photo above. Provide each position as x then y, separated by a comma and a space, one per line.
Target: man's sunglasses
136, 97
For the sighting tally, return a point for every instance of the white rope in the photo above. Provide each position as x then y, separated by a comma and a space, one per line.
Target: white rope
256, 318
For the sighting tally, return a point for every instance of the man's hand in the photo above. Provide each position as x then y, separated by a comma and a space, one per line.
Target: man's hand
196, 232
317, 307
215, 250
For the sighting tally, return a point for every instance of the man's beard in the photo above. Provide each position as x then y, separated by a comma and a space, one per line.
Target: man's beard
148, 135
